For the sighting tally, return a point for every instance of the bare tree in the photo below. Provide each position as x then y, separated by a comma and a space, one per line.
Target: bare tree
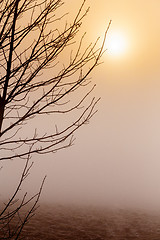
42, 66
16, 213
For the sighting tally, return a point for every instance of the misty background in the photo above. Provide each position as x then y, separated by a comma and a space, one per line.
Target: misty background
115, 160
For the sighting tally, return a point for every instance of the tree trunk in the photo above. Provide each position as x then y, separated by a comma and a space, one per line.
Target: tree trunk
1, 112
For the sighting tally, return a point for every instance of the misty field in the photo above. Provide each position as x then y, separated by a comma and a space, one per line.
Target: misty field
82, 223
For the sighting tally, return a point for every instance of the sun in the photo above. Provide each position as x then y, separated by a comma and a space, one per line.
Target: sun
116, 44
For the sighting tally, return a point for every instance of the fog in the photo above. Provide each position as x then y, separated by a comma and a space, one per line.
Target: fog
115, 160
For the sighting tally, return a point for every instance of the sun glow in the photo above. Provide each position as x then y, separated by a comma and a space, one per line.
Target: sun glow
116, 44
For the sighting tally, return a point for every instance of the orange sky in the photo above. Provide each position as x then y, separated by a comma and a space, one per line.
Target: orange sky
117, 157
138, 21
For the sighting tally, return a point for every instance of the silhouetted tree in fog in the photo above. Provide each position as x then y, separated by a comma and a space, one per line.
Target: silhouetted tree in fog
40, 69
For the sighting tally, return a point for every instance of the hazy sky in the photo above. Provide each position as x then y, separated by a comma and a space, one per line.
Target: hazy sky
117, 157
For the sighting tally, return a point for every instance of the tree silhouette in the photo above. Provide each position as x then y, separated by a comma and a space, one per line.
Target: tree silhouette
43, 70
